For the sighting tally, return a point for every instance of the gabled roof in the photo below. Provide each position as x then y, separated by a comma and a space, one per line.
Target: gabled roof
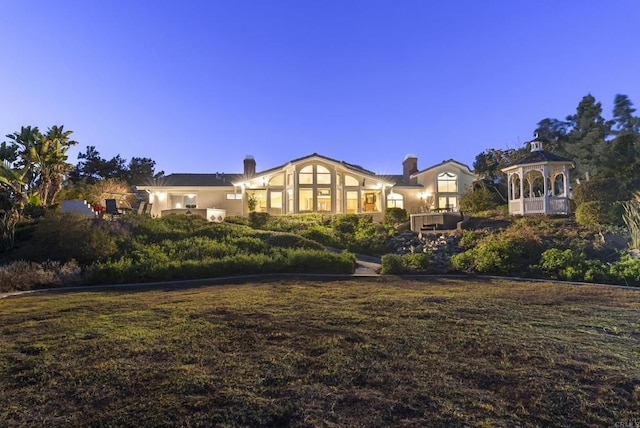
354, 168
460, 164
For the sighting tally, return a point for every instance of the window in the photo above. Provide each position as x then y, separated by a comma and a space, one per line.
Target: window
371, 201
395, 200
305, 176
305, 200
352, 202
189, 201
350, 180
277, 180
324, 199
290, 201
450, 203
276, 200
183, 201
447, 182
233, 196
323, 175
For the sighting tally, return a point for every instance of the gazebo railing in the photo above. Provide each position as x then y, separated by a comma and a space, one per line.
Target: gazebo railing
536, 205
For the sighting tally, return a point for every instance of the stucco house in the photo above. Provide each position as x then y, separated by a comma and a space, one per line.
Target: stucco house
312, 183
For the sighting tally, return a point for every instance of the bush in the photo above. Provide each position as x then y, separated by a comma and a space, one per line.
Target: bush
502, 254
599, 190
416, 262
25, 275
481, 198
321, 234
392, 264
393, 217
257, 220
599, 215
65, 237
289, 240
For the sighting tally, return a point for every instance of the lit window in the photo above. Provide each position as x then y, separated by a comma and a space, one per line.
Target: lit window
323, 175
395, 200
276, 200
324, 199
277, 180
350, 180
305, 200
305, 176
447, 183
352, 202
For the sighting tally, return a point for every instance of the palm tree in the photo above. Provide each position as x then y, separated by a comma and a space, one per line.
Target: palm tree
45, 157
12, 201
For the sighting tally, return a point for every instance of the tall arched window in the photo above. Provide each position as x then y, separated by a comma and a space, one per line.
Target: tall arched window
447, 182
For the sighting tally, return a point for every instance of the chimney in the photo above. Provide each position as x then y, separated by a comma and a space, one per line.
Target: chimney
249, 166
409, 166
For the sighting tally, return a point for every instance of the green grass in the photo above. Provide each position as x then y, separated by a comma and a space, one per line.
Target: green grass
366, 352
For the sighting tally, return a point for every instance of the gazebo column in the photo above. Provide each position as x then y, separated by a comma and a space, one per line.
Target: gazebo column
521, 176
545, 180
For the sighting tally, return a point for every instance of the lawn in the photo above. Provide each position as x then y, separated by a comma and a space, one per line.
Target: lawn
363, 352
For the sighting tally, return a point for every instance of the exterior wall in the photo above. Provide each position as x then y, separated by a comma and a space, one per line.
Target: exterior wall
429, 180
340, 189
165, 198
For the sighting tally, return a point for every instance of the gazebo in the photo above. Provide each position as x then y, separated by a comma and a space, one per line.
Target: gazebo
539, 182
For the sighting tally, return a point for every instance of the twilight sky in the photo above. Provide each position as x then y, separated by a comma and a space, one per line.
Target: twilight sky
198, 85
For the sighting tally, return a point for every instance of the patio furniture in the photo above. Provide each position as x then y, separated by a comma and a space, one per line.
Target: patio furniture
111, 208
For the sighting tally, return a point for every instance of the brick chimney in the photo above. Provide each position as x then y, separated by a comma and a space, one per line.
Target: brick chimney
409, 166
249, 166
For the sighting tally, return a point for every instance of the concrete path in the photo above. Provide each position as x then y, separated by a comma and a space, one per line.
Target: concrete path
367, 265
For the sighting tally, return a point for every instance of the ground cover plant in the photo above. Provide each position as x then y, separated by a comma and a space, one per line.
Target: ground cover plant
143, 249
366, 352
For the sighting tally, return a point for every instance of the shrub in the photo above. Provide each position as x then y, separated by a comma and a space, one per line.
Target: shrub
559, 264
417, 262
392, 264
631, 218
257, 220
393, 217
289, 240
598, 214
502, 254
64, 237
321, 234
26, 275
626, 270
599, 190
481, 198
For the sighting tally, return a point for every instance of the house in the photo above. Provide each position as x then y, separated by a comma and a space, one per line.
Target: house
312, 183
539, 182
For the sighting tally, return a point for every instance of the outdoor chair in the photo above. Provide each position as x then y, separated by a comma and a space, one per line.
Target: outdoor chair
111, 208
141, 207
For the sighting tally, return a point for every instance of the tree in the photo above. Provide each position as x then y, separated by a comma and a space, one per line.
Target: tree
586, 140
624, 122
44, 156
621, 159
92, 167
142, 171
12, 201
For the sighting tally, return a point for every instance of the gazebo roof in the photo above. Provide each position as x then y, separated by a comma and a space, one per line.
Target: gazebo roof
538, 155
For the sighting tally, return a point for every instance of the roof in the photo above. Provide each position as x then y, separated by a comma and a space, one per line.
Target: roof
356, 168
195, 180
541, 156
460, 164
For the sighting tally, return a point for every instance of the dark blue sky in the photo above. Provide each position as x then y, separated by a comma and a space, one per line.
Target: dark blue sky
197, 85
